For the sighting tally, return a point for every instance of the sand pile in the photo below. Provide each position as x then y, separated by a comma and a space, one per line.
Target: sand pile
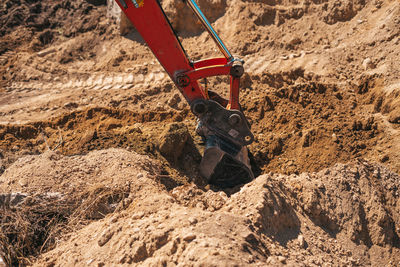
334, 216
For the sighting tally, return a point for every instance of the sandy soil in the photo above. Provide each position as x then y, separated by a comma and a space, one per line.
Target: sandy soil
84, 112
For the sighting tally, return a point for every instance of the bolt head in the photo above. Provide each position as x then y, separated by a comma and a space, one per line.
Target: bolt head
199, 108
234, 119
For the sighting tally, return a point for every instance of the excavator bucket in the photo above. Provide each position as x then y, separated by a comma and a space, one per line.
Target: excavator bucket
225, 134
224, 165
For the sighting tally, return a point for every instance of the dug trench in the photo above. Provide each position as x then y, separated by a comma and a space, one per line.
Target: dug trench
301, 125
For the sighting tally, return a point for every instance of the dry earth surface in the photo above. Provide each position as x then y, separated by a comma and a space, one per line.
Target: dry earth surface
99, 158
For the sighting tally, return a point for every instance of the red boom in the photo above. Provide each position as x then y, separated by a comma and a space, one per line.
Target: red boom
154, 27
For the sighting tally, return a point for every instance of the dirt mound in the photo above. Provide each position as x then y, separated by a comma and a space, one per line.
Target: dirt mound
367, 210
62, 194
290, 106
80, 132
51, 172
346, 214
182, 19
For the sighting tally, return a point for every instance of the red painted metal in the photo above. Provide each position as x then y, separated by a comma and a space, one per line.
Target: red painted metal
152, 24
210, 62
234, 94
208, 72
154, 27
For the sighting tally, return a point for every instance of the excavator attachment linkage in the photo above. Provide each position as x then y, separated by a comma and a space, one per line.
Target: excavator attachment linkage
222, 125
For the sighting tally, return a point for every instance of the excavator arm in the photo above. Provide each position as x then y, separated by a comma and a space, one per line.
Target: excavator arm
222, 125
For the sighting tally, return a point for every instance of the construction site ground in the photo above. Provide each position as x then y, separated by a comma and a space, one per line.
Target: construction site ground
99, 156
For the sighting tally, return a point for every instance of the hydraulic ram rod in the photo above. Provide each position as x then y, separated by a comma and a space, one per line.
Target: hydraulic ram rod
210, 29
